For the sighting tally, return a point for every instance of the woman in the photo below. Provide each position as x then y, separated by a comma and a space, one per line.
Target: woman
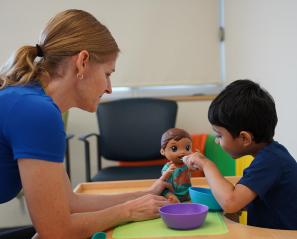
69, 67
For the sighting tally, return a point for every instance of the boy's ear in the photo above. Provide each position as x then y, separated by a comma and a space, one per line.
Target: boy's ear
246, 137
162, 152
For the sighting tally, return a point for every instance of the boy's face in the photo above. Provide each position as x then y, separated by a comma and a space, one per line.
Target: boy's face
233, 146
175, 150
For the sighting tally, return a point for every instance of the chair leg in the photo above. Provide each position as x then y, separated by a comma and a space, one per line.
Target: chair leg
67, 155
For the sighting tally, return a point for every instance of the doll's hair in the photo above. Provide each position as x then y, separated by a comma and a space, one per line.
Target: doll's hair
174, 133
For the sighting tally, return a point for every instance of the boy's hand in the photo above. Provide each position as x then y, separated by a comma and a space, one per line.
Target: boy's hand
195, 161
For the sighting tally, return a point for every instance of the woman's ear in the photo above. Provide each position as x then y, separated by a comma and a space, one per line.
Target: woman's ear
246, 137
162, 151
82, 59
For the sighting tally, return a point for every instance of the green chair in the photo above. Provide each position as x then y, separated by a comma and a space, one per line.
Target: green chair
65, 119
223, 160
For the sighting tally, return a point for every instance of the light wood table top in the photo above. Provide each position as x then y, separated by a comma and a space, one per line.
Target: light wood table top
235, 230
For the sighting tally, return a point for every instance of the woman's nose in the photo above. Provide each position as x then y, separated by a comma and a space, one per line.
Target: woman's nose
108, 88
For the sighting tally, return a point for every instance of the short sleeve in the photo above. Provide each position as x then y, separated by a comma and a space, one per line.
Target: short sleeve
165, 167
263, 173
35, 129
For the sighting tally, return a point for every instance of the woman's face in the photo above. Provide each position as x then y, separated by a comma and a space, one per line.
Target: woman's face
96, 82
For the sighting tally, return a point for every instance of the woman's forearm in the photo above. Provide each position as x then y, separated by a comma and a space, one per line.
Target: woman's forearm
142, 208
89, 203
84, 224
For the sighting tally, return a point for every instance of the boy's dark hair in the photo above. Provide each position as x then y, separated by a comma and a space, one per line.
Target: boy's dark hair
244, 106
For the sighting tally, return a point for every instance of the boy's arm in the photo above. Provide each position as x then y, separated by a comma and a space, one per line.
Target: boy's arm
231, 198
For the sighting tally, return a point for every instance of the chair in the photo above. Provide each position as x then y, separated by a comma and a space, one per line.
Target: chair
67, 149
130, 133
224, 162
206, 144
22, 232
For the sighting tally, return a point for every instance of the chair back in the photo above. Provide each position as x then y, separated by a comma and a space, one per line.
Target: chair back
224, 162
131, 129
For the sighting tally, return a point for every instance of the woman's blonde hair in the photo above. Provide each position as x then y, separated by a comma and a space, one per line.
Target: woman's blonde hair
68, 33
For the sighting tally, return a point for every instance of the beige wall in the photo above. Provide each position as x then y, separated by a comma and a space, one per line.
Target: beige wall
261, 44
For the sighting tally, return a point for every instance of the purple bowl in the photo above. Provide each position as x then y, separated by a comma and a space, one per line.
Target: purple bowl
184, 215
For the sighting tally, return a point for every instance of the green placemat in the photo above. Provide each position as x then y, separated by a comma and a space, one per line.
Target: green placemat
213, 225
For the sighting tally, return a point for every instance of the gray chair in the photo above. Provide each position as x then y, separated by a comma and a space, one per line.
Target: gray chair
67, 150
130, 131
22, 232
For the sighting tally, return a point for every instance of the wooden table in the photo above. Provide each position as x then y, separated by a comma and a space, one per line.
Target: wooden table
236, 230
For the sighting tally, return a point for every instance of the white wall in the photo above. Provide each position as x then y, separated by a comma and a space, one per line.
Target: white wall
261, 44
177, 29
14, 213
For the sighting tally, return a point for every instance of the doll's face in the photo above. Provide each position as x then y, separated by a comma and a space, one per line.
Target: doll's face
175, 150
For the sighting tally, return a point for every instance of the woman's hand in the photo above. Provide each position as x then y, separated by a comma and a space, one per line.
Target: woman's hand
145, 207
172, 198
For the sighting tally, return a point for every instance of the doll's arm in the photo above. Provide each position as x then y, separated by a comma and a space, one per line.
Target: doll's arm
166, 174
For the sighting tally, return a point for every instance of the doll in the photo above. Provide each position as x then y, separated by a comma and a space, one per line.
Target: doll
175, 144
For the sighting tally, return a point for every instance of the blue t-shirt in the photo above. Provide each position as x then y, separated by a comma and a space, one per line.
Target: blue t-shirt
273, 176
31, 126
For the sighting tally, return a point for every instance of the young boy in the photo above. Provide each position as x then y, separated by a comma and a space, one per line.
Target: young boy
243, 117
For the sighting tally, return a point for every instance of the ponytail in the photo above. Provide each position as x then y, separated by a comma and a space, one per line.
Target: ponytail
68, 33
22, 68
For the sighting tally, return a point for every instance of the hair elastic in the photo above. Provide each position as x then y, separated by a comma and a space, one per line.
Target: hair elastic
39, 51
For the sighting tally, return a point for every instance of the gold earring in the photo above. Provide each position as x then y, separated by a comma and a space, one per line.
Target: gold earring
80, 76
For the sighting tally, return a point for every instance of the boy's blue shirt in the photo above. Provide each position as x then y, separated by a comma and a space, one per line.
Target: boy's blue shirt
272, 175
31, 126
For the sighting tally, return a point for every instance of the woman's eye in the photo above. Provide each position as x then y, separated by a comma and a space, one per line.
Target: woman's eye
188, 147
174, 148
